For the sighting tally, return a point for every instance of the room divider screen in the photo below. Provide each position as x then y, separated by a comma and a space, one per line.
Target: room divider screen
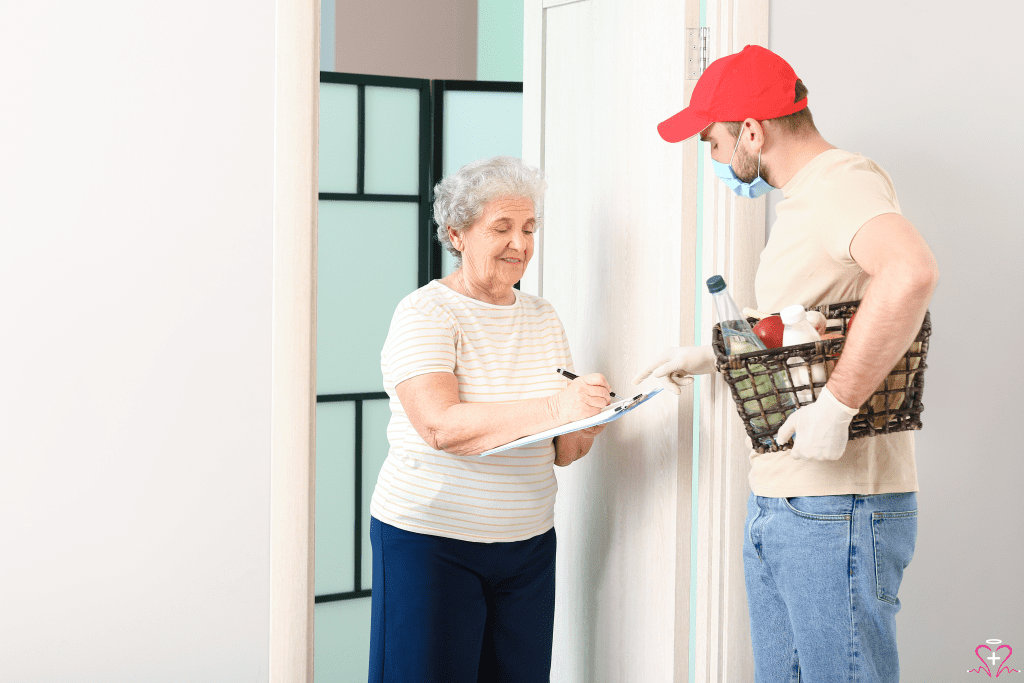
383, 143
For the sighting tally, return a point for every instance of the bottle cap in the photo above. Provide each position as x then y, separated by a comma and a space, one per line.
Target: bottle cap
791, 315
716, 284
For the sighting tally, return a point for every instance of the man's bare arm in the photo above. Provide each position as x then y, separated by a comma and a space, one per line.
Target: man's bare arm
903, 277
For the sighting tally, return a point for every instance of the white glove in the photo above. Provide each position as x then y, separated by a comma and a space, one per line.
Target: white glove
676, 366
818, 321
823, 428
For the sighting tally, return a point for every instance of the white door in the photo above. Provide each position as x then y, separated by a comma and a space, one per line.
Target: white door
650, 576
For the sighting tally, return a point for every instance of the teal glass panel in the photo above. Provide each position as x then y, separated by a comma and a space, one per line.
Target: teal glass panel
335, 511
368, 261
339, 137
447, 263
481, 124
392, 141
327, 26
499, 40
376, 415
341, 646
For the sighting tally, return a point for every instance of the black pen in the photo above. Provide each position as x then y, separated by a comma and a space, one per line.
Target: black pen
568, 374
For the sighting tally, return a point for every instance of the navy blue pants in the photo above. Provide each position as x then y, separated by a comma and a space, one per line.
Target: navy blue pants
458, 611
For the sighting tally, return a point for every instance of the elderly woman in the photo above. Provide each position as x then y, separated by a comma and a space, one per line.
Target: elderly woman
463, 545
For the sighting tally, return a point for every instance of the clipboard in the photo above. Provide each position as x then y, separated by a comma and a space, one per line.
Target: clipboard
610, 413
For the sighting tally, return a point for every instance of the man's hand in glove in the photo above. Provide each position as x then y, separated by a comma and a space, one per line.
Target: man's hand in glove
676, 366
822, 428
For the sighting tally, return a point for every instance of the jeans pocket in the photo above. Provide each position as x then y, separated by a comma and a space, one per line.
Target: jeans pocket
821, 508
894, 535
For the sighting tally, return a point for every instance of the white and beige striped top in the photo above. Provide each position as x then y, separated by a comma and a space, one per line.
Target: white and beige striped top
499, 354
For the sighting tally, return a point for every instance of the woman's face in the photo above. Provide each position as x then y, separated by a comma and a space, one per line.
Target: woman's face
497, 247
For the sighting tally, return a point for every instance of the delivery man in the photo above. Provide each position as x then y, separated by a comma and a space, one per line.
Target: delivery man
831, 524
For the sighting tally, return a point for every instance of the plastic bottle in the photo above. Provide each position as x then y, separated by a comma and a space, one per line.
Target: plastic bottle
739, 337
799, 330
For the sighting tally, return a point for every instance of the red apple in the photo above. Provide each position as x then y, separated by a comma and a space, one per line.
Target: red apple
770, 331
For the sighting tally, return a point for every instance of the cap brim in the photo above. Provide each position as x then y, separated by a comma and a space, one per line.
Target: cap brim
683, 125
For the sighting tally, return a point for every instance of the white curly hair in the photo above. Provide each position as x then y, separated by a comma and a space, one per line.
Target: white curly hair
460, 198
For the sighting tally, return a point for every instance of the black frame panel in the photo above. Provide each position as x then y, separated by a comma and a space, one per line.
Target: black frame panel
358, 399
423, 200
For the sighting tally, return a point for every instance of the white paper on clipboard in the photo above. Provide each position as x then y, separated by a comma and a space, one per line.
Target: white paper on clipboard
610, 413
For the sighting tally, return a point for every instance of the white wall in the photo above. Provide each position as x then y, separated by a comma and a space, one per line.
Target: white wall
930, 91
136, 213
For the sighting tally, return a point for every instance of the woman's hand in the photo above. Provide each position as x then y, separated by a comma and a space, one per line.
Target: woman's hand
572, 446
585, 396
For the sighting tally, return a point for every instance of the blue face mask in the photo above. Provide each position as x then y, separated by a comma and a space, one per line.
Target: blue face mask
751, 190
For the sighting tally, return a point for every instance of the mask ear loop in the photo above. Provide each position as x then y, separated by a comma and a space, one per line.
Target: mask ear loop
736, 148
758, 159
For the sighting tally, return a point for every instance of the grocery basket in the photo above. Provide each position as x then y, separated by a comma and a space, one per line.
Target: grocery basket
765, 392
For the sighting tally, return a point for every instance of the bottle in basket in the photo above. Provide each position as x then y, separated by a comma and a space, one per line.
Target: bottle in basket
799, 330
739, 337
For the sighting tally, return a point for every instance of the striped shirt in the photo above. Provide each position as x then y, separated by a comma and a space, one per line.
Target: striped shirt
498, 354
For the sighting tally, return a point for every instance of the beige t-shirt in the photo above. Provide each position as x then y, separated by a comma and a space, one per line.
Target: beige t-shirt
807, 261
498, 354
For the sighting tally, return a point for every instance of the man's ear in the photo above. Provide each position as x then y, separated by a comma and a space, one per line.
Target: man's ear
752, 134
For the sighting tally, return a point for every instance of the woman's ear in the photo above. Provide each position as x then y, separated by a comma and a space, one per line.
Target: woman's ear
456, 238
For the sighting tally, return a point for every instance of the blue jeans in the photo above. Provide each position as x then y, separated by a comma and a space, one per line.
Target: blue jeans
453, 611
822, 574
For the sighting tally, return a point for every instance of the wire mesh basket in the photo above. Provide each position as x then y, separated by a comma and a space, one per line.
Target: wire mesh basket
766, 392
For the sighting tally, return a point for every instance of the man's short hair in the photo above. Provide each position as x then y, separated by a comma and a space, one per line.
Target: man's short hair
796, 123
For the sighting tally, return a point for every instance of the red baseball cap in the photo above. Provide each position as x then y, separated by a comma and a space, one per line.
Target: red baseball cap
754, 83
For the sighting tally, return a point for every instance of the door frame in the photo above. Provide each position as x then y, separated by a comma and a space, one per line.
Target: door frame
733, 236
293, 331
